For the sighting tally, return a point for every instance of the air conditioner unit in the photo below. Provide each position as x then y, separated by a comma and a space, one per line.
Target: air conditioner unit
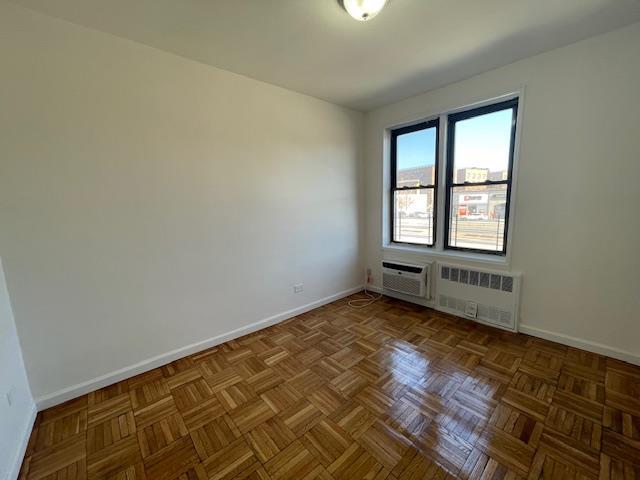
405, 278
486, 296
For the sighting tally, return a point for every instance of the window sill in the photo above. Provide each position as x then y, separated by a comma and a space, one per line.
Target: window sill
449, 256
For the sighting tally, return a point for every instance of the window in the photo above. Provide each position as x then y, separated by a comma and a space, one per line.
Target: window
478, 167
414, 179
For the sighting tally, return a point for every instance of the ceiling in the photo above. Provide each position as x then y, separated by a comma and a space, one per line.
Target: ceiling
314, 47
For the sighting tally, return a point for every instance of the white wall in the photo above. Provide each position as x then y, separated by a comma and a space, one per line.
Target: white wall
148, 202
15, 419
577, 227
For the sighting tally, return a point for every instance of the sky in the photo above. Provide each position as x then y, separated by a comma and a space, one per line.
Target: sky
416, 149
481, 142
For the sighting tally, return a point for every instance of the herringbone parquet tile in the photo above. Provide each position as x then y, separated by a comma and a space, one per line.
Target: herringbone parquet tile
392, 391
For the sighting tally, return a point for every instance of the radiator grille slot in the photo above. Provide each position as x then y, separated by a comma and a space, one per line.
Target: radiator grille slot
505, 318
454, 275
486, 313
496, 295
445, 273
442, 301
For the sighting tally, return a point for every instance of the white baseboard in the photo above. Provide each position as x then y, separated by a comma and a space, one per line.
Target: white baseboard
83, 388
24, 442
587, 345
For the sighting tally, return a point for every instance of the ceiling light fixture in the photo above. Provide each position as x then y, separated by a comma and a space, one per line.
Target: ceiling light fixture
363, 10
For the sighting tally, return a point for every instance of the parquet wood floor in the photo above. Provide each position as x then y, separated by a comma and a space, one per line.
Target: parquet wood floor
392, 391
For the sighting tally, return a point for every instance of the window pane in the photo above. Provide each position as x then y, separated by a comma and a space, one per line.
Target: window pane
478, 217
482, 147
416, 158
413, 216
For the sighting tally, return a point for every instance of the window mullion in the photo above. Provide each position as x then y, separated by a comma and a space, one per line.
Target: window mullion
440, 192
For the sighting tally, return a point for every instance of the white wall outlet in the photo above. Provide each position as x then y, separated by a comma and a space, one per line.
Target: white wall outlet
298, 287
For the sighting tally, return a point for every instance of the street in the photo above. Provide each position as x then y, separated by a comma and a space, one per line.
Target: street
480, 234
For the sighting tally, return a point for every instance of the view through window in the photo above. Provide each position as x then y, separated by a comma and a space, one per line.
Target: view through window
479, 163
479, 177
414, 178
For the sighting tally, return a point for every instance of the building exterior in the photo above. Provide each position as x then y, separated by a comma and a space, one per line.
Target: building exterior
467, 203
414, 177
472, 175
498, 176
479, 203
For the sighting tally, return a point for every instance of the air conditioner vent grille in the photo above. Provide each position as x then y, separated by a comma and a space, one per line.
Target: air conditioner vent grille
401, 284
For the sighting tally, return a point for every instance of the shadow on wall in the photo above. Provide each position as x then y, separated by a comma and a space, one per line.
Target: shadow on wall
17, 409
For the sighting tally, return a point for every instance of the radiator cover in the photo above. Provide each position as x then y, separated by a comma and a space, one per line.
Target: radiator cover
497, 294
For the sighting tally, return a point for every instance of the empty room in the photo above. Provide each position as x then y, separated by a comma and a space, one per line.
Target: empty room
319, 239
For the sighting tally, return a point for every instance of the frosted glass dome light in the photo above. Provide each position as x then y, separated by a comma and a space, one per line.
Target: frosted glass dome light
363, 10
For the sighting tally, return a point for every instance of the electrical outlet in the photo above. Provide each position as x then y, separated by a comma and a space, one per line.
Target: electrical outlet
298, 288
